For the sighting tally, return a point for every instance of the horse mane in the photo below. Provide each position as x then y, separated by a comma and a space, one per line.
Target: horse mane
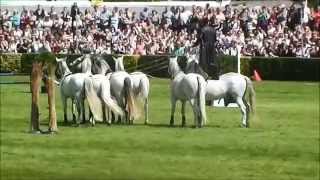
86, 64
63, 67
119, 63
100, 66
174, 67
194, 67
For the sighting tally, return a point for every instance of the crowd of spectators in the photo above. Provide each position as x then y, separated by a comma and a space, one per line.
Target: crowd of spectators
258, 31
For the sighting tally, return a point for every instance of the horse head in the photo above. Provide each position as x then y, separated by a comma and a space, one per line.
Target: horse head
63, 68
82, 64
100, 66
118, 63
77, 61
173, 68
86, 64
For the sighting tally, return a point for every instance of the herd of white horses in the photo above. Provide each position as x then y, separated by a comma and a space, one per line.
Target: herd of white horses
114, 95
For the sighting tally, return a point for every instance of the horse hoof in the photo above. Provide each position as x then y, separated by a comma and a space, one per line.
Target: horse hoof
52, 132
244, 126
36, 132
76, 124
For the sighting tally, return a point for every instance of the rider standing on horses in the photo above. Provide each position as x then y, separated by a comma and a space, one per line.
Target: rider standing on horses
207, 41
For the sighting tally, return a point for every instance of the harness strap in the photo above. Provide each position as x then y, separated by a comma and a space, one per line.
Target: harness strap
64, 77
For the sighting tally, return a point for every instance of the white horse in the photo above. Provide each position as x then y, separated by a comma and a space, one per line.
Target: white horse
99, 67
230, 86
82, 64
91, 64
78, 87
187, 87
101, 86
140, 85
121, 89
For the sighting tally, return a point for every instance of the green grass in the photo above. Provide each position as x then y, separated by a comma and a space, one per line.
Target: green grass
283, 142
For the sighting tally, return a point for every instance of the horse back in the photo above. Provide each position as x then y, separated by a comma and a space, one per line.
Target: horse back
235, 83
117, 82
140, 83
73, 84
187, 87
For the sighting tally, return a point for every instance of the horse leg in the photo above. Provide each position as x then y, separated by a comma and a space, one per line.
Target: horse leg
79, 111
90, 114
110, 117
73, 109
123, 104
247, 111
107, 111
119, 118
146, 111
183, 113
65, 115
91, 118
243, 111
173, 109
195, 112
83, 111
113, 117
200, 122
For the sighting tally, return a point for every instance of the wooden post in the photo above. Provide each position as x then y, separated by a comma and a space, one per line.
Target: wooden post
36, 76
51, 98
239, 59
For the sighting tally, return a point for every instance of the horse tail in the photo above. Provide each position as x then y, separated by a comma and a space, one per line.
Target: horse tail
128, 96
201, 100
108, 101
108, 75
252, 94
144, 86
93, 99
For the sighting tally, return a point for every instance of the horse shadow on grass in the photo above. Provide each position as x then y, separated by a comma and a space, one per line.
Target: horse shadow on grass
161, 126
62, 124
25, 92
155, 125
179, 126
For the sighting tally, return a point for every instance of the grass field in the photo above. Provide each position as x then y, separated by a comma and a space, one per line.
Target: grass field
283, 142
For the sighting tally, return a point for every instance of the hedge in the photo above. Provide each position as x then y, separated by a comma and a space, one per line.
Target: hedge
298, 69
